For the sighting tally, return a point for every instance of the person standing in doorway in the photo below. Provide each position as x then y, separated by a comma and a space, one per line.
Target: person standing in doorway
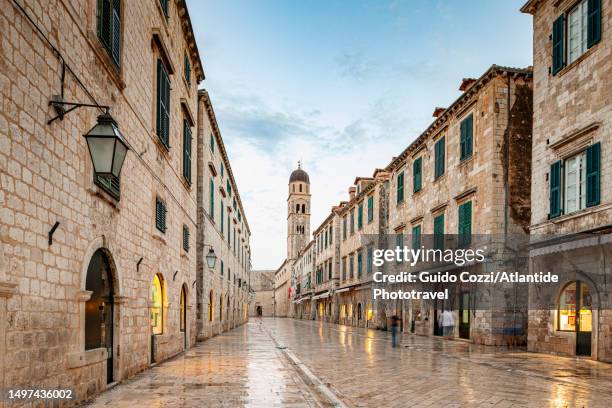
447, 320
394, 330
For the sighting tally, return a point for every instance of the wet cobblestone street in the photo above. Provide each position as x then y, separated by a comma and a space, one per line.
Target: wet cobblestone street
248, 366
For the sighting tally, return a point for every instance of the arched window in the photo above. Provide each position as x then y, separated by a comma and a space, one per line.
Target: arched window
300, 187
297, 208
574, 311
303, 208
211, 307
157, 305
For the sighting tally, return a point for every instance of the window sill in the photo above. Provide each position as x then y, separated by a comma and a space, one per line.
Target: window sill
113, 70
572, 65
417, 193
580, 213
466, 160
440, 177
158, 235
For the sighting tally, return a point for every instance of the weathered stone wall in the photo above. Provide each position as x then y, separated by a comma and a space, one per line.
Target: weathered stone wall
46, 176
224, 228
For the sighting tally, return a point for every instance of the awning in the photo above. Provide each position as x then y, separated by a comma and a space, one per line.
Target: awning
321, 296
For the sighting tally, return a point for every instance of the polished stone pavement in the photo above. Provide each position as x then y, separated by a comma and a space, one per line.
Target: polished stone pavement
248, 366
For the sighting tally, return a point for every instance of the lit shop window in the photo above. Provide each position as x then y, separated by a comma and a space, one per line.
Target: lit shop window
342, 311
575, 298
350, 310
320, 309
157, 302
369, 312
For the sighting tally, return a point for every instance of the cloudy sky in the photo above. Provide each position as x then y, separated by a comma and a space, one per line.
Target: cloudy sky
341, 85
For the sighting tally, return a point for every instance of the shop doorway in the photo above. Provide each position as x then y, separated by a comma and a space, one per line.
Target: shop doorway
99, 309
576, 314
464, 315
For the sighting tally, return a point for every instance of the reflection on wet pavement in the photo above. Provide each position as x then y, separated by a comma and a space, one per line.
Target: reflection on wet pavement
246, 367
364, 370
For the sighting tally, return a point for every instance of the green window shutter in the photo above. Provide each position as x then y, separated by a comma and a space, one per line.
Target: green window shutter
360, 216
163, 104
222, 217
558, 40
465, 138
593, 169
211, 205
344, 227
186, 238
400, 187
439, 232
593, 22
555, 190
229, 231
359, 264
187, 151
370, 208
116, 32
370, 260
417, 175
439, 157
164, 6
187, 69
465, 224
212, 143
416, 237
160, 215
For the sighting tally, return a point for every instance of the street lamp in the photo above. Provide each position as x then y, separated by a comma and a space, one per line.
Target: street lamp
211, 258
107, 147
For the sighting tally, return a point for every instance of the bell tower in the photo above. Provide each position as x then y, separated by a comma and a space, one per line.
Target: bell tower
298, 212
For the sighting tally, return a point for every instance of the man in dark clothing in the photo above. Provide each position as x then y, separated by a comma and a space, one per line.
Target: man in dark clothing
394, 330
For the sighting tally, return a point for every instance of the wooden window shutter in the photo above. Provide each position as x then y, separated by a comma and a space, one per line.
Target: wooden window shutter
555, 190
439, 158
593, 169
163, 104
593, 22
439, 232
160, 215
465, 224
416, 177
558, 40
186, 238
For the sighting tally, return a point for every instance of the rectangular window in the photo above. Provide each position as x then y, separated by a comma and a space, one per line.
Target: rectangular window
344, 268
212, 143
163, 105
186, 238
164, 7
575, 183
187, 151
351, 267
222, 267
229, 190
359, 264
344, 220
330, 235
370, 208
577, 31
352, 221
109, 28
400, 187
466, 136
370, 261
222, 170
211, 202
439, 158
160, 215
416, 237
229, 231
222, 218
465, 223
360, 216
187, 66
438, 234
417, 176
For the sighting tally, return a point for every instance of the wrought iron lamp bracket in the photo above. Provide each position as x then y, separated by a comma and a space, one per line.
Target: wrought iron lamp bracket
62, 108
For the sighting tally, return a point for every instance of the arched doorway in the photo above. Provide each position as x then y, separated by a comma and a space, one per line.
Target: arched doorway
157, 311
259, 311
99, 308
575, 314
183, 312
211, 306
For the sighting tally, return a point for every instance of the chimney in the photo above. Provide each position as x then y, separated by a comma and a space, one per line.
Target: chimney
352, 191
438, 111
466, 83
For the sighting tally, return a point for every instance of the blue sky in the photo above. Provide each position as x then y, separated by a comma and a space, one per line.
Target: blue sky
341, 85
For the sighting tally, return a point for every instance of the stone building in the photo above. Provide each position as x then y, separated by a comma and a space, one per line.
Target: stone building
326, 264
223, 229
97, 264
303, 278
464, 182
262, 288
282, 290
571, 218
363, 221
298, 236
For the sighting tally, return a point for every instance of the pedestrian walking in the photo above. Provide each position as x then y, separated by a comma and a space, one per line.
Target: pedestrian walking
394, 330
447, 321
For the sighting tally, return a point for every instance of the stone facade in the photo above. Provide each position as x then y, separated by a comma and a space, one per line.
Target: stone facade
262, 288
572, 117
47, 176
282, 290
492, 179
304, 278
223, 228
